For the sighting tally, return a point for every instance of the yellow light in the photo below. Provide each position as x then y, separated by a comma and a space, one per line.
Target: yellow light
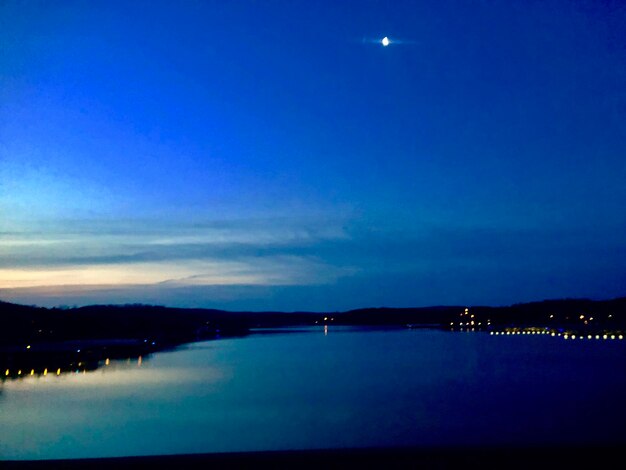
28, 347
325, 318
106, 363
589, 337
58, 371
597, 336
472, 315
582, 316
620, 337
612, 336
552, 334
604, 336
590, 318
45, 371
32, 372
573, 336
472, 323
7, 372
565, 336
19, 372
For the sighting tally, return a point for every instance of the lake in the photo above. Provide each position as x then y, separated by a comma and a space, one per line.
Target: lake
311, 388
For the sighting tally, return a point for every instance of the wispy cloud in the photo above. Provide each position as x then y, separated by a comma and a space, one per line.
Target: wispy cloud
133, 253
302, 263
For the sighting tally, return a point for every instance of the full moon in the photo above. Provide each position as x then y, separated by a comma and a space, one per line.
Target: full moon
385, 41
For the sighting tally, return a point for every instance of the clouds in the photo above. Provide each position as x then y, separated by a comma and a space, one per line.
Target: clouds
146, 253
304, 263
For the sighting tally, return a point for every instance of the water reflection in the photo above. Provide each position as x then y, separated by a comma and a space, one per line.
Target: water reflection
42, 360
365, 387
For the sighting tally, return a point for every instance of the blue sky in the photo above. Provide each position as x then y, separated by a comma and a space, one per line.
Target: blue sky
274, 155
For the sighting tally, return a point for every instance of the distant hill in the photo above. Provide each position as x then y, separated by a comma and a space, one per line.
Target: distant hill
20, 323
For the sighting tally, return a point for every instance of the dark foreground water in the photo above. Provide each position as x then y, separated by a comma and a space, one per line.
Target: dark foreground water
347, 387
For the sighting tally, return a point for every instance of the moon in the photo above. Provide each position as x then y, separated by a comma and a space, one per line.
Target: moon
385, 42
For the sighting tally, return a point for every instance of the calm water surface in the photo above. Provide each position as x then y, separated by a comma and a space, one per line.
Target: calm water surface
302, 390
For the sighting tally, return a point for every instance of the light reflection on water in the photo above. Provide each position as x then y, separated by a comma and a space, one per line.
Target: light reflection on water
319, 389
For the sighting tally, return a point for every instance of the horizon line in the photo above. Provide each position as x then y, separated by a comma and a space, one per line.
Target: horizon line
140, 304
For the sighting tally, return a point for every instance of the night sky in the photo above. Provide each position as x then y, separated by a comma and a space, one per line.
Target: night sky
275, 155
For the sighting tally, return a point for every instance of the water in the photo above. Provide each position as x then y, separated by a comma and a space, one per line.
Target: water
347, 387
